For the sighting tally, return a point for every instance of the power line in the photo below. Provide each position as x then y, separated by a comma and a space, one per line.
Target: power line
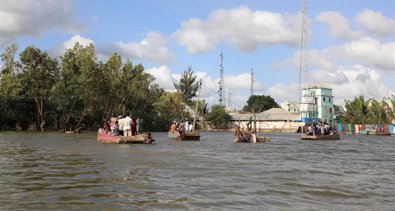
229, 99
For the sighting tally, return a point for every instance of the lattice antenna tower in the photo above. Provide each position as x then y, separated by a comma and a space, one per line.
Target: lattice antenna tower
303, 51
229, 97
252, 81
221, 81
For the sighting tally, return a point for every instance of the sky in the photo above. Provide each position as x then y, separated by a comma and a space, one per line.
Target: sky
350, 44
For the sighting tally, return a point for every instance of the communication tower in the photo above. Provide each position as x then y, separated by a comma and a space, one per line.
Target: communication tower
221, 81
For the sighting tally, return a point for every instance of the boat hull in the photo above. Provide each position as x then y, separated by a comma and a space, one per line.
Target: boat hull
108, 138
377, 133
187, 136
321, 137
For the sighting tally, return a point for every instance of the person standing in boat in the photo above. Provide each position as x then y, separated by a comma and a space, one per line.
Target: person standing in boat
139, 125
120, 125
127, 129
106, 126
134, 126
181, 128
113, 119
186, 124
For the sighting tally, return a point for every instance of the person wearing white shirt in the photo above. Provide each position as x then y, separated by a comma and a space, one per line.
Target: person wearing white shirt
127, 129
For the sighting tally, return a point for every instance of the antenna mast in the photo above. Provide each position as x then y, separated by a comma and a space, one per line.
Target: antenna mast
252, 81
229, 97
303, 50
221, 82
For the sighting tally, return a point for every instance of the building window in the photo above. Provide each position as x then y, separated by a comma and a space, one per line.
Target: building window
324, 99
329, 99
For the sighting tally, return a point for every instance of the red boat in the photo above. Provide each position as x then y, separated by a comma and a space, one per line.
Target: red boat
137, 139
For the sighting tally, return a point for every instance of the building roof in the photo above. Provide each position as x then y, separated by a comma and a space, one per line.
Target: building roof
319, 86
274, 114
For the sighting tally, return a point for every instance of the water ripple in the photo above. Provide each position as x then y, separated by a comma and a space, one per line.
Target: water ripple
73, 172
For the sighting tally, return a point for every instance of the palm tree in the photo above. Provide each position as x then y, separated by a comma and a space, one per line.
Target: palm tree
356, 111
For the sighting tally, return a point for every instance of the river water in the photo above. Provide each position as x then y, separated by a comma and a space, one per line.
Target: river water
53, 171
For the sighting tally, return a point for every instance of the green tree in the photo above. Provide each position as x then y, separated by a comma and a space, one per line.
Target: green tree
38, 74
257, 103
388, 105
168, 107
187, 86
356, 111
377, 113
218, 117
9, 87
8, 80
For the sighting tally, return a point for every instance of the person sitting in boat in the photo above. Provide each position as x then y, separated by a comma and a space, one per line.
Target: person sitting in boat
246, 136
114, 129
106, 126
310, 130
173, 127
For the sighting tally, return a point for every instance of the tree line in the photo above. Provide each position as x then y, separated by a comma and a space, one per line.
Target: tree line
370, 111
76, 90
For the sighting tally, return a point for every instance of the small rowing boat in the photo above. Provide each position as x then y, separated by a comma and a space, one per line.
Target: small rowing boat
137, 139
186, 136
320, 137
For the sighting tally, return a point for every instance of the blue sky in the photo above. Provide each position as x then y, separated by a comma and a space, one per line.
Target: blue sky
351, 45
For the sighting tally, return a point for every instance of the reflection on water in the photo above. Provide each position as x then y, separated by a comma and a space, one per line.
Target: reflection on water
73, 172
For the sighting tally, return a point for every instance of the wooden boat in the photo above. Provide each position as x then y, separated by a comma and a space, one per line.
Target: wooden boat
320, 137
186, 136
251, 138
137, 139
378, 133
192, 135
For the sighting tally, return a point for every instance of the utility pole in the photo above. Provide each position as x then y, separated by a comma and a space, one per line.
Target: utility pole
221, 81
252, 81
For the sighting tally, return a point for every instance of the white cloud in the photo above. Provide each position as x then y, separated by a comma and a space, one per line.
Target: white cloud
57, 51
361, 81
162, 77
152, 48
367, 51
339, 26
30, 18
243, 28
235, 84
376, 23
284, 92
77, 38
373, 23
346, 82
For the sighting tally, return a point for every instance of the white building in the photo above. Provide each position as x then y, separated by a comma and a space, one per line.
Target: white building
272, 120
317, 104
290, 106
